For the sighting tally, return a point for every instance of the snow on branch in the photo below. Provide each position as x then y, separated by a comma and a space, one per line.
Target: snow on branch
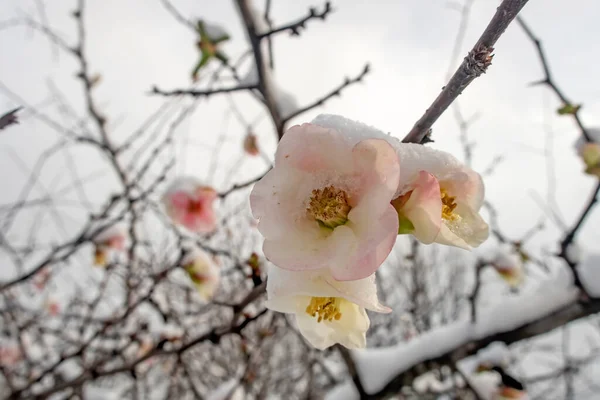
387, 369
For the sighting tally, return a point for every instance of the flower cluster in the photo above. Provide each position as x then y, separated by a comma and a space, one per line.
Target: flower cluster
330, 211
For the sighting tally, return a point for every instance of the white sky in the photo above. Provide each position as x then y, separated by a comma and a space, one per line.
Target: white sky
135, 44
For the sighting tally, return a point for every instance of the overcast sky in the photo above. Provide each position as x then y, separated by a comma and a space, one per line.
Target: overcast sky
135, 44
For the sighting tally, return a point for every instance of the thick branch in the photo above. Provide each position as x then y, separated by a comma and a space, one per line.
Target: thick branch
351, 367
474, 64
264, 83
543, 325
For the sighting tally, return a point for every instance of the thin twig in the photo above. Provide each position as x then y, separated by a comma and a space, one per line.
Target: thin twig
295, 27
9, 118
335, 92
201, 93
474, 64
548, 78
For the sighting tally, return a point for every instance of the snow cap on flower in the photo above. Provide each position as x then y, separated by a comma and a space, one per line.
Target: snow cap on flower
438, 198
111, 239
203, 272
327, 311
326, 202
509, 265
190, 204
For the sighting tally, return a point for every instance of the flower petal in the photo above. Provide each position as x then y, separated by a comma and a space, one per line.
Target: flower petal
424, 208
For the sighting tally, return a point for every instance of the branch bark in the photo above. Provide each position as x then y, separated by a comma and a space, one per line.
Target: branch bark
474, 64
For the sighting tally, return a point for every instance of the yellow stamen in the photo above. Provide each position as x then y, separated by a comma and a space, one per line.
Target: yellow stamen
329, 206
448, 206
100, 257
324, 308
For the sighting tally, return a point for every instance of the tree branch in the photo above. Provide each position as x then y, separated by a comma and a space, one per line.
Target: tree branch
201, 93
474, 64
548, 78
295, 27
335, 92
9, 118
543, 325
264, 81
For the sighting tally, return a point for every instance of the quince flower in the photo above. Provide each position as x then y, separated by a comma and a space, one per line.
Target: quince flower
111, 239
440, 198
203, 272
10, 355
327, 311
190, 204
326, 202
509, 265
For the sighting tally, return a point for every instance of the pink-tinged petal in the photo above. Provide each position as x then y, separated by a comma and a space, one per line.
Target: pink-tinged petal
311, 148
375, 161
376, 240
311, 248
179, 200
206, 195
424, 208
206, 222
117, 242
278, 201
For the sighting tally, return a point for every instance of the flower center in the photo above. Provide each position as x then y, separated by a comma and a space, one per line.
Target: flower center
448, 206
196, 277
324, 308
195, 206
329, 206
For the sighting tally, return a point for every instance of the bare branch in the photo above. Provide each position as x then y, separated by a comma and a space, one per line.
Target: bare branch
295, 27
474, 64
9, 118
548, 78
335, 92
201, 93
